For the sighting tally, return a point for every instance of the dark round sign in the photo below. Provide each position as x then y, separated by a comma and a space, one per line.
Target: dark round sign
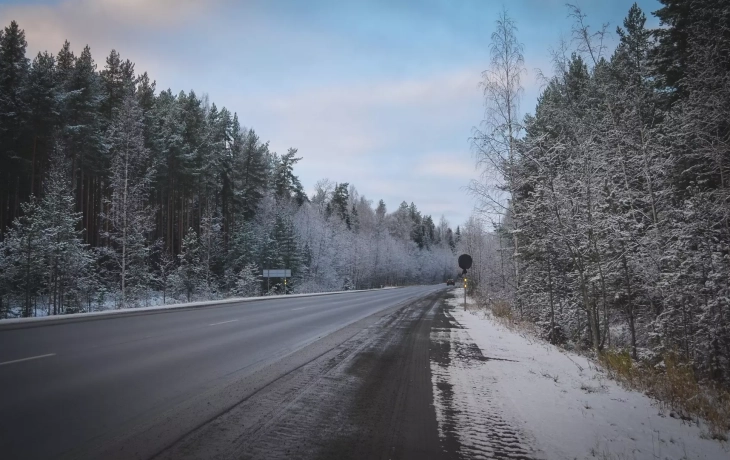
465, 261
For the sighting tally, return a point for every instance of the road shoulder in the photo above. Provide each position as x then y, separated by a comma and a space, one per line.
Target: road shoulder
567, 405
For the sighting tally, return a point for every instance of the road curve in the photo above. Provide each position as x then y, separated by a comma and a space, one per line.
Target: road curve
69, 386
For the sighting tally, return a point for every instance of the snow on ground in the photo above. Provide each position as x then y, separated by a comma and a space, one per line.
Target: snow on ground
523, 398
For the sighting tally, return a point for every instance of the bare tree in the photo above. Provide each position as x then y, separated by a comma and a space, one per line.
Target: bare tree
494, 142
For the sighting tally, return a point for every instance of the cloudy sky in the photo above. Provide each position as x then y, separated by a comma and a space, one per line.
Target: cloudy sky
381, 94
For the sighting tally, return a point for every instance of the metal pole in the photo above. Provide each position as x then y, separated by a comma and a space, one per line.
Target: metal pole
464, 293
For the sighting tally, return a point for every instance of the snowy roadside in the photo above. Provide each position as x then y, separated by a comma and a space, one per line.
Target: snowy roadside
557, 402
156, 308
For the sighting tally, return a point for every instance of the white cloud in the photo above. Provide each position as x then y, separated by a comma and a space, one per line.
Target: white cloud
366, 118
424, 92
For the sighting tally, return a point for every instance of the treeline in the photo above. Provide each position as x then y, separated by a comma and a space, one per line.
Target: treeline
616, 190
114, 194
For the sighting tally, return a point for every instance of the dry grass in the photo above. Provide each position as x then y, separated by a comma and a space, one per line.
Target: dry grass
676, 387
502, 309
503, 313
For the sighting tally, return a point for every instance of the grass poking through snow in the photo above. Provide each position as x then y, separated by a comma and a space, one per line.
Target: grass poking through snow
676, 388
674, 385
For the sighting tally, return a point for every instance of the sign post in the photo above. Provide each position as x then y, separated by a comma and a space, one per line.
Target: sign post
465, 293
276, 273
465, 264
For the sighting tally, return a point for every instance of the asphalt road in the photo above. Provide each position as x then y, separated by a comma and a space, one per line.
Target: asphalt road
141, 382
370, 397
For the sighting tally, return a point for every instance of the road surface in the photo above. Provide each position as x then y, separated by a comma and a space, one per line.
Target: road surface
148, 385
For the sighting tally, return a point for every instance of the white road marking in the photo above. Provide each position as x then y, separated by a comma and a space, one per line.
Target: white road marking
300, 308
224, 322
27, 359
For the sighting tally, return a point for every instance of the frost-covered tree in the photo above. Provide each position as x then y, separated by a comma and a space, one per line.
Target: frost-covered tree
23, 250
248, 281
494, 142
618, 189
165, 270
67, 259
129, 216
190, 275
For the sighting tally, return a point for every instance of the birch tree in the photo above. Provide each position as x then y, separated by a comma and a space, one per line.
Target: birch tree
494, 142
129, 216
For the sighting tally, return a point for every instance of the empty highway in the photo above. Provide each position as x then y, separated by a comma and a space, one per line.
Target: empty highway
93, 388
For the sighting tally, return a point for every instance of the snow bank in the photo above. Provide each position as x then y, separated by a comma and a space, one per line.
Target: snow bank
567, 406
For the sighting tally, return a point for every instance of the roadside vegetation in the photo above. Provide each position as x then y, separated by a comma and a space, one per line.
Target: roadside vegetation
604, 218
674, 383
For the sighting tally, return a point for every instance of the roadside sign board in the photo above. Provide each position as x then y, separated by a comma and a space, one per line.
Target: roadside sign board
277, 273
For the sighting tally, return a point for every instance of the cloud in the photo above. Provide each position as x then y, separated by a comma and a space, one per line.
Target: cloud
106, 23
148, 12
426, 91
381, 117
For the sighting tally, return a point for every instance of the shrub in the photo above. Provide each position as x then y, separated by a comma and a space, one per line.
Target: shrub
676, 386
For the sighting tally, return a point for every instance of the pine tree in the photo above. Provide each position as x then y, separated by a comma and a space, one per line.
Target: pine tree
249, 173
117, 82
14, 68
42, 94
286, 183
82, 139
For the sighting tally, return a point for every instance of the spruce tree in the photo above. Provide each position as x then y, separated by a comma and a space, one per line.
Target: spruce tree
23, 248
190, 275
67, 259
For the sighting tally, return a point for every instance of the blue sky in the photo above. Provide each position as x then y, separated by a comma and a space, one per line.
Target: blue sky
381, 94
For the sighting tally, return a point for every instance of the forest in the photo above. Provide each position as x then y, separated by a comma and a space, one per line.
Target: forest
611, 202
114, 194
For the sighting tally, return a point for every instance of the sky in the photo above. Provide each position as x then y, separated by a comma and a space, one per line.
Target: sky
381, 94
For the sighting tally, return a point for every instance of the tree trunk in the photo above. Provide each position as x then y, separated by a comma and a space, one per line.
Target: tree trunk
124, 229
550, 293
629, 308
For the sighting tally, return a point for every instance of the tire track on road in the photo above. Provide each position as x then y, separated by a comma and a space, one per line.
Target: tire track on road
353, 401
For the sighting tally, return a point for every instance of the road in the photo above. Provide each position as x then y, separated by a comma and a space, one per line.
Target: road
133, 386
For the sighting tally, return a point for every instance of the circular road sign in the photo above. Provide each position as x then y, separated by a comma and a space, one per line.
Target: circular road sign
465, 261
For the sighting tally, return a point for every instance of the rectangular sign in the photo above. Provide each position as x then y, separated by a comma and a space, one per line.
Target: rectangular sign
277, 273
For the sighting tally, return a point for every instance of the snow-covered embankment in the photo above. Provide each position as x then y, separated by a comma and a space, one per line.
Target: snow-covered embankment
528, 398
